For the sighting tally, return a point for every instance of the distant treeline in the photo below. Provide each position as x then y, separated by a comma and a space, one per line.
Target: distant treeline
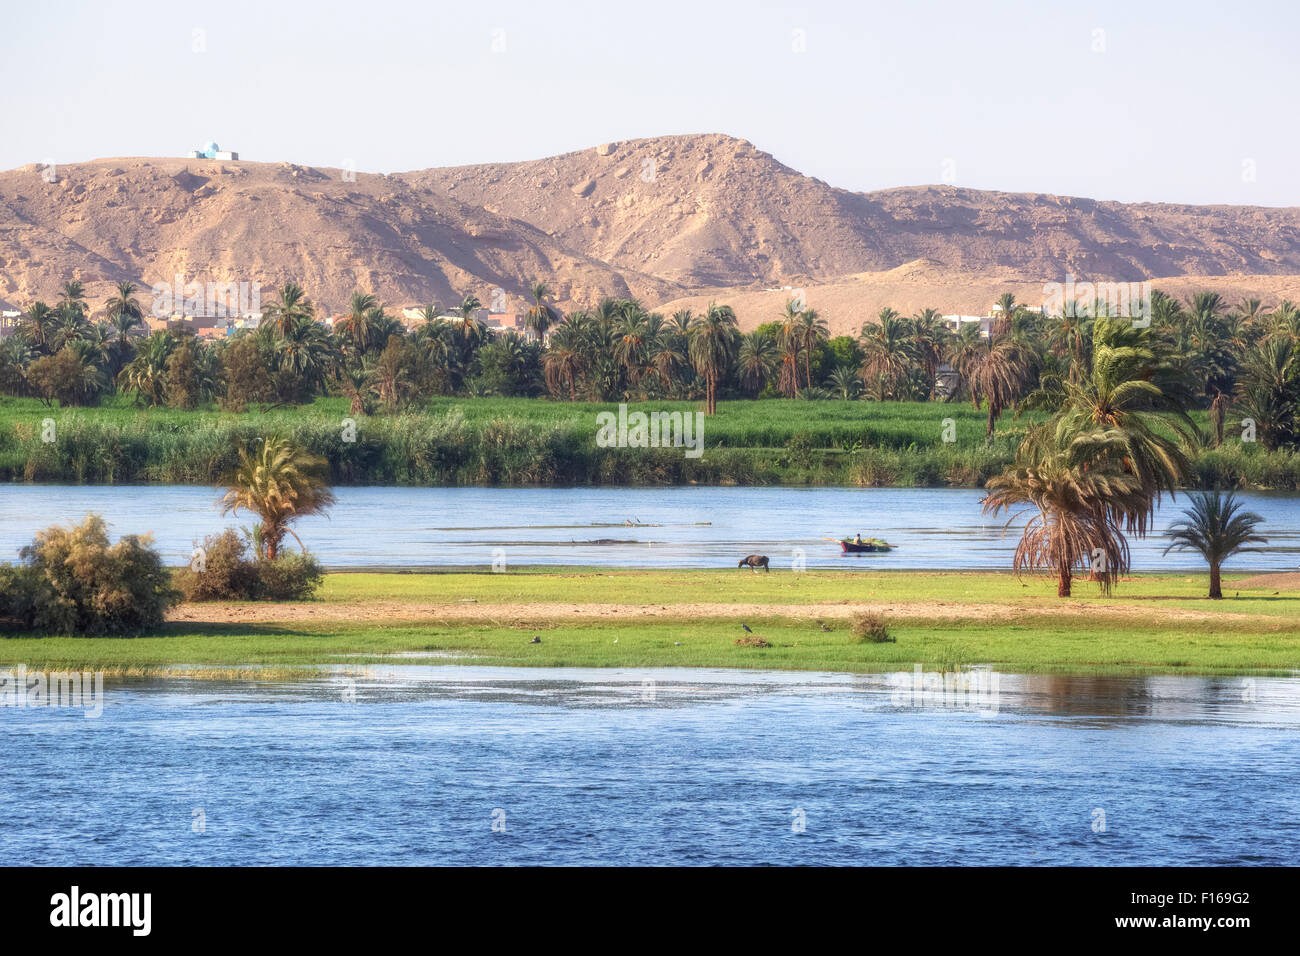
1240, 359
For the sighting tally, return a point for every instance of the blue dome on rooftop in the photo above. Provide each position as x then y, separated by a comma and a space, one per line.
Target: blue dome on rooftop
211, 148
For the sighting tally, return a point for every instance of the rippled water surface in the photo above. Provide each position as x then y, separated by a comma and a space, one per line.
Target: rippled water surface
414, 764
632, 527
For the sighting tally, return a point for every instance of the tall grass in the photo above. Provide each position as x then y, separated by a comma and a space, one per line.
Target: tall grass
497, 441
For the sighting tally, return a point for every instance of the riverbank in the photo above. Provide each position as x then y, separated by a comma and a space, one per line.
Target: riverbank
497, 441
599, 618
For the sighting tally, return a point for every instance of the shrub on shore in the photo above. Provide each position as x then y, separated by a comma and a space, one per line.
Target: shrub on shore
71, 581
870, 628
226, 573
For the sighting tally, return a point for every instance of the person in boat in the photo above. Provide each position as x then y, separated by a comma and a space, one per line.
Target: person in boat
857, 538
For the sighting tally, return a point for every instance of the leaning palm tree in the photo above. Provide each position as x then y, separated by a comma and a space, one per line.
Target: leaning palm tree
1216, 527
1070, 504
1121, 396
714, 341
279, 482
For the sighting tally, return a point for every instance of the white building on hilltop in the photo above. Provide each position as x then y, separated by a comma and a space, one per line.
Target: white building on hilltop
212, 151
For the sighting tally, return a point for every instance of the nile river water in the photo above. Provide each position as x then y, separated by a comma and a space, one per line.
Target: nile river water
677, 527
468, 765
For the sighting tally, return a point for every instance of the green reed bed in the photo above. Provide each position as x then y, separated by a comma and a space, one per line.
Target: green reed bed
498, 441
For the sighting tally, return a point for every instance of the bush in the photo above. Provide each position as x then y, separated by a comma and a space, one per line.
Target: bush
293, 576
226, 573
221, 573
802, 448
72, 581
871, 628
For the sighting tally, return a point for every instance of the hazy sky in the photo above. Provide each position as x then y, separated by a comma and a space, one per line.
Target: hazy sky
1132, 100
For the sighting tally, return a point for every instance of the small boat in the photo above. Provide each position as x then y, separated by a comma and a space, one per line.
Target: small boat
868, 546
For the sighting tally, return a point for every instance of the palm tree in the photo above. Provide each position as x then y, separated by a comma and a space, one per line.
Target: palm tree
565, 360
681, 322
541, 316
69, 325
383, 327
758, 357
1120, 396
146, 374
1268, 392
1007, 307
887, 354
665, 352
1285, 322
430, 313
304, 352
631, 336
471, 328
713, 346
1210, 303
788, 339
1071, 507
123, 309
124, 314
963, 354
358, 324
39, 325
356, 382
1250, 309
998, 371
1215, 527
930, 337
279, 482
845, 381
72, 295
290, 308
1071, 337
812, 331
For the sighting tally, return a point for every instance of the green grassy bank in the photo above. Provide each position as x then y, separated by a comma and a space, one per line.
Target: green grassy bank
595, 618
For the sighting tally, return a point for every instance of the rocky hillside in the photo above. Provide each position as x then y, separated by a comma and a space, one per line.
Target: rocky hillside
663, 219
149, 220
715, 211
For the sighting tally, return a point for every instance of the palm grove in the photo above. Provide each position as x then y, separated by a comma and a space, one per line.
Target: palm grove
1231, 360
1116, 393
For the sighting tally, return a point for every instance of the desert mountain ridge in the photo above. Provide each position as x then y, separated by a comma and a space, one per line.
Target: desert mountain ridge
668, 219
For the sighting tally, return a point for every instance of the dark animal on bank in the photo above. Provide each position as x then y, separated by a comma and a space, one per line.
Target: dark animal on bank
754, 561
